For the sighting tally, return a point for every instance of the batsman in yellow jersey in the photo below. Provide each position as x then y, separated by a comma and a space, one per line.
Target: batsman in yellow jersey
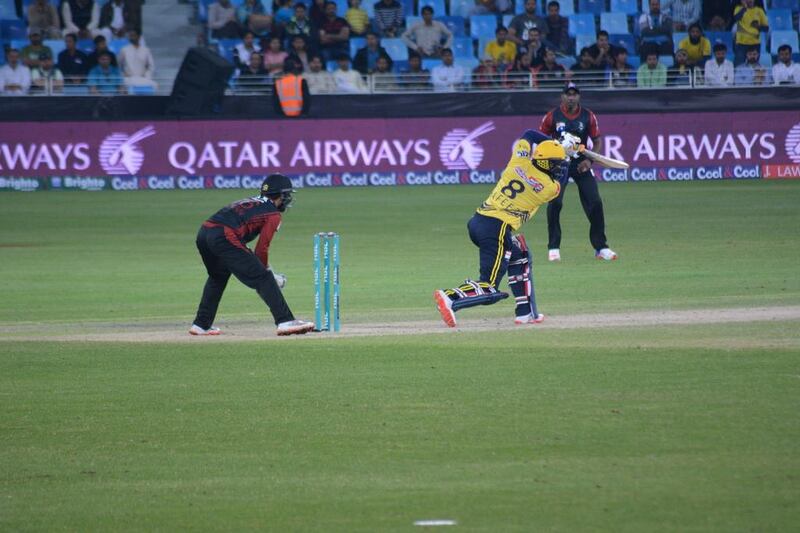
530, 180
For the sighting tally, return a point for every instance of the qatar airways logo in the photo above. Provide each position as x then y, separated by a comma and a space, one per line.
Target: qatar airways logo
793, 143
460, 149
120, 153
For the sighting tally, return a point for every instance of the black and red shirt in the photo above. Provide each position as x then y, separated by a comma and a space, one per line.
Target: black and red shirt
582, 123
247, 219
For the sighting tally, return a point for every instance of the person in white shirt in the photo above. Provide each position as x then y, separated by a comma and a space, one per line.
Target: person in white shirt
786, 71
719, 70
46, 78
136, 62
81, 17
15, 78
447, 76
319, 80
348, 80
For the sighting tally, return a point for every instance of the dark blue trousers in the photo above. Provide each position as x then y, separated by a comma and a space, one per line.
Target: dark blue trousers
493, 239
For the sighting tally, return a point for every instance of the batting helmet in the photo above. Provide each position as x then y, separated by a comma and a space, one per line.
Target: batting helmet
278, 185
550, 157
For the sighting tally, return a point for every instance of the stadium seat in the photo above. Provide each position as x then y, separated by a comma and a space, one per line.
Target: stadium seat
429, 62
437, 5
567, 7
455, 24
369, 7
399, 66
461, 8
116, 44
507, 20
357, 43
141, 90
331, 65
19, 44
341, 7
413, 19
667, 61
634, 61
629, 7
581, 23
58, 45
482, 46
7, 10
594, 7
462, 47
408, 7
2, 56
792, 5
582, 40
469, 64
724, 37
396, 49
84, 45
226, 47
482, 26
623, 40
779, 38
13, 29
779, 19
677, 37
566, 61
614, 22
75, 90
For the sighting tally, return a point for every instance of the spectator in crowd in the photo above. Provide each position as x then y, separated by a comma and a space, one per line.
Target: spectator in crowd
383, 78
282, 12
291, 96
357, 18
119, 16
656, 29
696, 46
684, 13
73, 63
501, 50
320, 81
751, 72
300, 24
81, 17
30, 53
653, 73
43, 17
428, 38
491, 7
105, 78
520, 73
222, 20
251, 15
46, 78
557, 28
416, 78
243, 50
299, 50
584, 73
520, 26
253, 77
785, 71
100, 46
317, 13
680, 73
389, 18
717, 15
366, 58
334, 34
136, 62
549, 73
602, 52
622, 73
274, 56
348, 80
719, 70
536, 48
448, 76
486, 75
750, 22
15, 78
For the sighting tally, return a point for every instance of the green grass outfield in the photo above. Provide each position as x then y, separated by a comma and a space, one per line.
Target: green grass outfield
660, 428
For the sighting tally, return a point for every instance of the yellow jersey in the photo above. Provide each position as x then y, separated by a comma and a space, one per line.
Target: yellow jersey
696, 52
745, 32
521, 189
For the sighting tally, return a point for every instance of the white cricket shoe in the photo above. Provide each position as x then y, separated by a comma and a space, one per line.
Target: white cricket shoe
554, 255
529, 319
445, 306
606, 254
295, 327
197, 330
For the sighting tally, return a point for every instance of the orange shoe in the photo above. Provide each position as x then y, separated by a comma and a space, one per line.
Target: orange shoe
529, 319
197, 330
445, 306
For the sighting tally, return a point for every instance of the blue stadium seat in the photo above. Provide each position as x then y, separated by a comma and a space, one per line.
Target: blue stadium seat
482, 46
461, 8
567, 6
507, 20
13, 29
629, 7
779, 19
582, 40
634, 61
724, 37
116, 44
226, 47
331, 65
141, 90
624, 40
357, 43
594, 7
341, 6
482, 26
581, 23
58, 45
468, 63
399, 66
369, 7
19, 44
75, 90
792, 5
614, 22
429, 62
7, 9
566, 61
408, 7
413, 19
2, 55
396, 49
667, 61
778, 38
462, 47
437, 5
84, 45
677, 37
455, 24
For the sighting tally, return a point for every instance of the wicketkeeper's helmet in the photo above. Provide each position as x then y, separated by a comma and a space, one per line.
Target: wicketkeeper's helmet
551, 158
278, 185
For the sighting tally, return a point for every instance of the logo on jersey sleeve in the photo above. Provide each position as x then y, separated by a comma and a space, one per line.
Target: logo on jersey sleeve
533, 182
120, 153
793, 143
461, 149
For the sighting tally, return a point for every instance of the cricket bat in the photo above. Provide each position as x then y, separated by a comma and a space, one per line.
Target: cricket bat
603, 160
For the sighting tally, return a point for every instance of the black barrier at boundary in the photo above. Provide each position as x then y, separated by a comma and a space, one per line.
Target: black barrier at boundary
54, 108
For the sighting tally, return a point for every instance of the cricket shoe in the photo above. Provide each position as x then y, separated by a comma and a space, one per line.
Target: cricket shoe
197, 330
554, 255
445, 306
606, 254
295, 327
529, 319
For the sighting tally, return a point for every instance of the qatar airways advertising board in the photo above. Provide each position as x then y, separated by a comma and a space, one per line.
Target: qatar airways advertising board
379, 152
